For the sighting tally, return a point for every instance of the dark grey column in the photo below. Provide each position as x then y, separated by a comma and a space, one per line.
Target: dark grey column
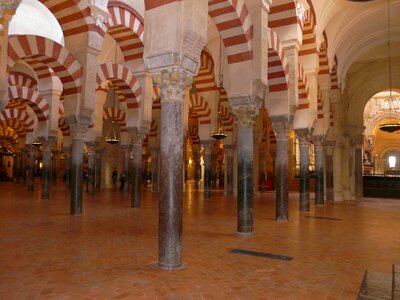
358, 161
98, 169
213, 170
154, 170
329, 172
281, 171
319, 172
136, 171
304, 203
23, 166
46, 169
31, 170
229, 170
91, 169
207, 170
197, 169
172, 83
54, 168
67, 168
17, 167
127, 155
245, 179
78, 134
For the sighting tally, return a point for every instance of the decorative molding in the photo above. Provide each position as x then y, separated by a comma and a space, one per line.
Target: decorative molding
99, 12
172, 83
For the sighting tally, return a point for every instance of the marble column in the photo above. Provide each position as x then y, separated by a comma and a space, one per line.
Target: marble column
23, 167
207, 170
91, 169
127, 156
31, 170
98, 168
154, 170
78, 134
136, 171
304, 188
67, 168
329, 171
245, 176
46, 172
54, 168
172, 83
281, 171
319, 172
229, 171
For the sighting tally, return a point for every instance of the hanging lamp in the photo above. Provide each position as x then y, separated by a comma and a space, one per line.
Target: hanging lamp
36, 143
111, 137
391, 125
220, 133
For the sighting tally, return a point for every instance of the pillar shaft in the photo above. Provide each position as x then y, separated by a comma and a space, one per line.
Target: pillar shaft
68, 170
54, 168
304, 188
172, 84
245, 180
91, 170
229, 172
281, 172
77, 169
136, 173
207, 171
319, 173
46, 172
154, 171
98, 169
31, 170
329, 177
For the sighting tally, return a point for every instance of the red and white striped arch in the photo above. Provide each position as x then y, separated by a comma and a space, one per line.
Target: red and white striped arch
41, 54
331, 121
334, 78
21, 116
277, 65
323, 56
205, 79
303, 89
194, 134
22, 79
116, 114
153, 129
9, 133
309, 44
232, 19
200, 109
31, 98
64, 127
283, 13
15, 125
127, 28
227, 118
320, 109
73, 16
123, 80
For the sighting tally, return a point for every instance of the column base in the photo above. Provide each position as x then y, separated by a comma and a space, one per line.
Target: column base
169, 266
282, 220
245, 230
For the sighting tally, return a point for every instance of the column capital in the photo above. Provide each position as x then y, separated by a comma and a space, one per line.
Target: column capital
245, 110
79, 126
303, 135
172, 83
281, 130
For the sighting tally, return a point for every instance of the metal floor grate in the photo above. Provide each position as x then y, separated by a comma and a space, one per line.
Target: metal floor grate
261, 254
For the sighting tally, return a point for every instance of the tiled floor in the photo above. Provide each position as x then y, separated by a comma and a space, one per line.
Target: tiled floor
110, 252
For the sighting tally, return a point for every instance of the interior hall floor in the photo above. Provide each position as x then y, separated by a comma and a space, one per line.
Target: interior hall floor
110, 252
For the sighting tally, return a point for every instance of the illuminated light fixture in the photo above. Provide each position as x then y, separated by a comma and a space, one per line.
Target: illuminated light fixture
36, 143
219, 134
390, 126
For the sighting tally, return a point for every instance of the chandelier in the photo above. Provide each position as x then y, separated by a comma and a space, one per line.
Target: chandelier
391, 125
219, 134
36, 142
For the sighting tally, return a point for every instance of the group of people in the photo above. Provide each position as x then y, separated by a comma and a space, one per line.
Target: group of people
122, 179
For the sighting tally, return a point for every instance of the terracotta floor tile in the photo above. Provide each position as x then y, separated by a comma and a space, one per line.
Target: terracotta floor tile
110, 252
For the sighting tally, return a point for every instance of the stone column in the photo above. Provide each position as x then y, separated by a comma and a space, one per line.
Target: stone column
329, 170
127, 156
136, 170
23, 167
98, 168
319, 171
304, 203
358, 141
229, 171
67, 153
172, 83
54, 167
91, 169
214, 169
197, 169
281, 171
78, 132
154, 170
245, 115
31, 170
207, 170
46, 173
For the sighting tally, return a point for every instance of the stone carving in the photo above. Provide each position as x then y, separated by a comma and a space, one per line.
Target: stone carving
9, 5
245, 110
99, 12
172, 83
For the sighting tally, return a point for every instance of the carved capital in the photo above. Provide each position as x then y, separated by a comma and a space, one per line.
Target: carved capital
99, 12
172, 83
245, 110
281, 131
8, 5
